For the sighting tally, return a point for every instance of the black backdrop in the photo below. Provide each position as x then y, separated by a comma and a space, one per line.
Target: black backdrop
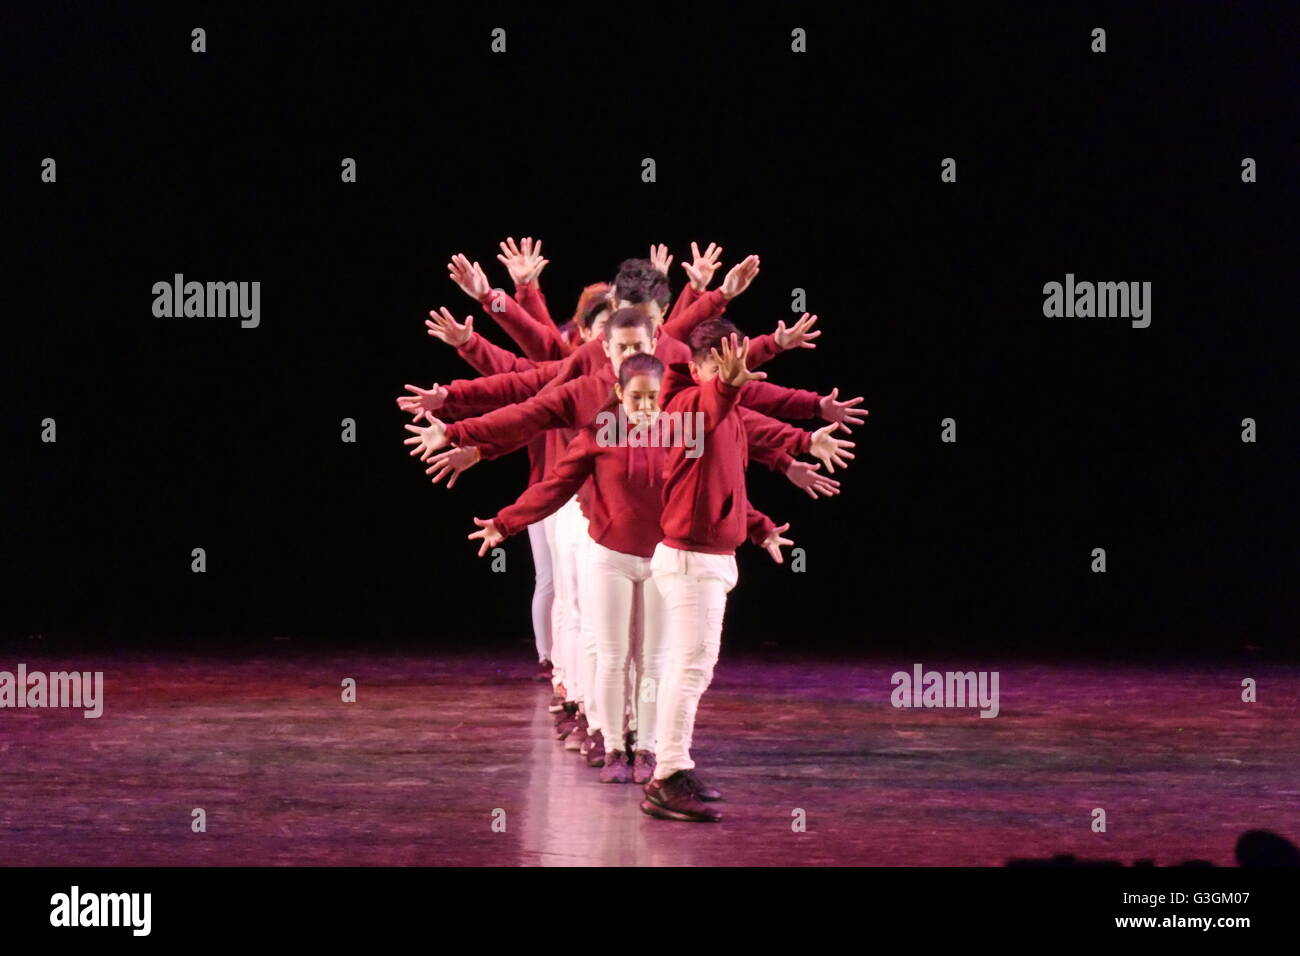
1072, 434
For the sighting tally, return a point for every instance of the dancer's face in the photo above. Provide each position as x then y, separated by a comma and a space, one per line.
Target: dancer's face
597, 329
640, 399
627, 341
705, 370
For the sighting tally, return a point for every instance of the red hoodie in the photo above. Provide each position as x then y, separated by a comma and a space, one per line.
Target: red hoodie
623, 494
705, 505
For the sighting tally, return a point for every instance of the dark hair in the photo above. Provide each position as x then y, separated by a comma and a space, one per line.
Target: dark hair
588, 318
638, 281
629, 318
643, 363
708, 336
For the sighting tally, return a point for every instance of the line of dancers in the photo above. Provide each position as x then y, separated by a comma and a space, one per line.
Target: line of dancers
639, 423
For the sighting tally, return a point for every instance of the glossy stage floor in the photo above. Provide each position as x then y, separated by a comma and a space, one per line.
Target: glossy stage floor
419, 768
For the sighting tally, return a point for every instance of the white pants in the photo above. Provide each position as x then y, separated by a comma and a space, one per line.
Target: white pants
626, 611
543, 585
694, 587
566, 619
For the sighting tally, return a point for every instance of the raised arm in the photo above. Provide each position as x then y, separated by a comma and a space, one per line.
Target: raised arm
718, 396
710, 305
536, 340
483, 356
700, 273
525, 263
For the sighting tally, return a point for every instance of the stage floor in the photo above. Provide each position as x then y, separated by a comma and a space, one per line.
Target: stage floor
415, 771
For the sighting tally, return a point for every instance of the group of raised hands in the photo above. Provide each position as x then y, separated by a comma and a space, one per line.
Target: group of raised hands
524, 262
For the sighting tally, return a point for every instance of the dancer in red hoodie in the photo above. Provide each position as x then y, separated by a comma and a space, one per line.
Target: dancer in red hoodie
706, 516
623, 457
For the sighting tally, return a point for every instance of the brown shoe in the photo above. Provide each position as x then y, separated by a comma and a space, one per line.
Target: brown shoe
616, 769
673, 798
643, 767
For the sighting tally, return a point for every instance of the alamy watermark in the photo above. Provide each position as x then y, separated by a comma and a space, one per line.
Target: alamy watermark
948, 689
208, 300
75, 908
78, 689
668, 430
1086, 300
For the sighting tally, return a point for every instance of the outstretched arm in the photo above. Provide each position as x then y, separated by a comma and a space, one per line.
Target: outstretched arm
800, 404
830, 450
476, 396
801, 335
506, 429
767, 535
561, 483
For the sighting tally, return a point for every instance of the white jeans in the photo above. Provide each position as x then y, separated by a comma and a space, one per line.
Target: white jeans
627, 615
694, 587
543, 586
566, 618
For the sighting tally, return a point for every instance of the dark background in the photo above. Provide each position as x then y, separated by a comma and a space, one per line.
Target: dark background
1073, 434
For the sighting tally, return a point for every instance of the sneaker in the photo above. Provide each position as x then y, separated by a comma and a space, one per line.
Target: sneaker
643, 766
673, 798
702, 789
596, 755
574, 740
616, 769
556, 705
544, 672
567, 710
567, 720
586, 745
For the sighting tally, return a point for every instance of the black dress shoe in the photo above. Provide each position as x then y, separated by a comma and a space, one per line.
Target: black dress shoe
702, 789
